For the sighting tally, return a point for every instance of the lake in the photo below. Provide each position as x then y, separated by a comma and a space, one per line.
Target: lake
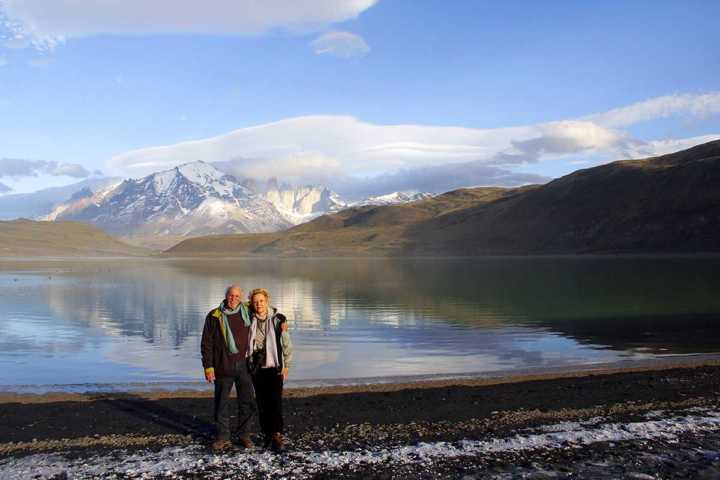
105, 324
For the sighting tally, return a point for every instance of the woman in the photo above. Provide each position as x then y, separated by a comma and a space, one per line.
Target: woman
270, 356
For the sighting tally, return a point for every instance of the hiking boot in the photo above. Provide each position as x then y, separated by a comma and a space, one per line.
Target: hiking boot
221, 445
277, 443
246, 443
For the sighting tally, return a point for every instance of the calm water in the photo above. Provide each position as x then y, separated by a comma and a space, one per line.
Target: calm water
119, 322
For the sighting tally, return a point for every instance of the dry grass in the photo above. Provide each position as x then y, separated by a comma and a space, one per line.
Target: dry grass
21, 238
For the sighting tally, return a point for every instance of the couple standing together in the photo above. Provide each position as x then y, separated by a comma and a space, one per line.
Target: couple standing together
247, 345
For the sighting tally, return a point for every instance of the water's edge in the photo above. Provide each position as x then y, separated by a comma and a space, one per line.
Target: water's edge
659, 363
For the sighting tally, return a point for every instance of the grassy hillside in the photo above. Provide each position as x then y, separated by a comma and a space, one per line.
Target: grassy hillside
663, 204
21, 238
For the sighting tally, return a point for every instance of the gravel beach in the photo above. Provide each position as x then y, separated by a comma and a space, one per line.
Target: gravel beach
636, 423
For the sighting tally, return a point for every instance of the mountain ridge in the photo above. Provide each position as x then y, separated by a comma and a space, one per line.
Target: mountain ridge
198, 199
657, 204
42, 202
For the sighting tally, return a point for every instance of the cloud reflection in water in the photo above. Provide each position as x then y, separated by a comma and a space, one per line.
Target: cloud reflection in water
140, 320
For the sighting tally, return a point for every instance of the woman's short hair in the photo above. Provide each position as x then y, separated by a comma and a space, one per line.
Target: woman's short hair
259, 291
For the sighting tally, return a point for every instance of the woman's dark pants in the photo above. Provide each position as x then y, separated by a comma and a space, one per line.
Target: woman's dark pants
240, 377
268, 392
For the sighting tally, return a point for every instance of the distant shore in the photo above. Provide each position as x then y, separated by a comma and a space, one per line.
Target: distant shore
163, 256
378, 417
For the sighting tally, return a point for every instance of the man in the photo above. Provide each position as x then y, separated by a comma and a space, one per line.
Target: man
270, 363
224, 347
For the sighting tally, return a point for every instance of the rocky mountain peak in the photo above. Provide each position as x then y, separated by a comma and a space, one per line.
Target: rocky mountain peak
200, 172
197, 176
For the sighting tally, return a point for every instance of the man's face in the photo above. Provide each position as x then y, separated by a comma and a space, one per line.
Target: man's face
259, 303
233, 297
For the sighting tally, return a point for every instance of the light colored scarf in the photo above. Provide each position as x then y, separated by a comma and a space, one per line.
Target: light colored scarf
271, 353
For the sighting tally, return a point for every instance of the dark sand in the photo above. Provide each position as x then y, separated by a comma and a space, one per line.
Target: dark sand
350, 418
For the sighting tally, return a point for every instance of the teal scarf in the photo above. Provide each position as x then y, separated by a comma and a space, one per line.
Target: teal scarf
224, 311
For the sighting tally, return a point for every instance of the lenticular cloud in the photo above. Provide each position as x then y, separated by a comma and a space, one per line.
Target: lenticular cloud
340, 44
50, 21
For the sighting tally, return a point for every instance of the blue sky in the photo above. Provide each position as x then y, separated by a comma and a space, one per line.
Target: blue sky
325, 83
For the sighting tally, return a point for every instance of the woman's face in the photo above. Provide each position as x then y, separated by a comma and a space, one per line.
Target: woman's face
259, 304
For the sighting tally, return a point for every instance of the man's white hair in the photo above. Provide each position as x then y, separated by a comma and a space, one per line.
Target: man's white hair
232, 287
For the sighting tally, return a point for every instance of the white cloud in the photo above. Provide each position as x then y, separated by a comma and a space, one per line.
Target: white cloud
321, 147
340, 44
342, 145
659, 107
4, 188
558, 138
434, 179
640, 149
329, 144
20, 167
574, 136
69, 170
54, 20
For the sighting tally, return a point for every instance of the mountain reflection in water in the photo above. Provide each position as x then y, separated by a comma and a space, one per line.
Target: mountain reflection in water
130, 320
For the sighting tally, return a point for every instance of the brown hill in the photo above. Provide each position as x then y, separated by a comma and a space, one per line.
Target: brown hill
26, 238
662, 204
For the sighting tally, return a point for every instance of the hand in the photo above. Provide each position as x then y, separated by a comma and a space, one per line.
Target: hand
283, 322
285, 372
210, 376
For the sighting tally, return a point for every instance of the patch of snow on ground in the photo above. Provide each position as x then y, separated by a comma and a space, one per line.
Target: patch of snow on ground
195, 459
570, 426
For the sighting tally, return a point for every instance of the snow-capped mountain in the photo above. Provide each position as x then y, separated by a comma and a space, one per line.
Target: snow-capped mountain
198, 199
393, 198
302, 204
192, 199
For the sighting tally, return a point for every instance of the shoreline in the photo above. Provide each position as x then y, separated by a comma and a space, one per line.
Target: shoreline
383, 384
662, 418
160, 255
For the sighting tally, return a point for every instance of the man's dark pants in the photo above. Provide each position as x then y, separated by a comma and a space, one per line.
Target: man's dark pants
240, 377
